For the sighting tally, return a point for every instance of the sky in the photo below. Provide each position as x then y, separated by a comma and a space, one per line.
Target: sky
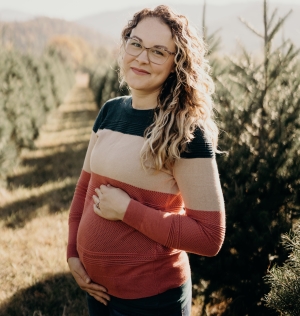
74, 9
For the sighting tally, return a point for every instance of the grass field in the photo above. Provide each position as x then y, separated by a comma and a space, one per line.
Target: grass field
34, 276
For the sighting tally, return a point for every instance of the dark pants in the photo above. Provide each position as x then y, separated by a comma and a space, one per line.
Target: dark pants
98, 309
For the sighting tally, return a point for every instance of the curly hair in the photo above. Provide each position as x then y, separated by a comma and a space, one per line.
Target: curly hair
184, 102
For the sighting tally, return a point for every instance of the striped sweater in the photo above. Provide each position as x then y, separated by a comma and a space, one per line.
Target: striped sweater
170, 212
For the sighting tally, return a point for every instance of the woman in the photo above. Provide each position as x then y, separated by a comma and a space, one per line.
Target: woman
149, 190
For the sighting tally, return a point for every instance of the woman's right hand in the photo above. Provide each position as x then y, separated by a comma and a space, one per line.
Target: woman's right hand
85, 283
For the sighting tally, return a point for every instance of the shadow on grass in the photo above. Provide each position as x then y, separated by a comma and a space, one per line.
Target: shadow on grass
60, 169
56, 295
59, 165
17, 214
53, 176
77, 119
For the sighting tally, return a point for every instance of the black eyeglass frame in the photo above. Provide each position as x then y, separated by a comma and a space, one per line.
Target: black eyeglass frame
146, 48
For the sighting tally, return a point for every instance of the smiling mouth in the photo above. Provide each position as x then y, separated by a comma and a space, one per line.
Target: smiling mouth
139, 71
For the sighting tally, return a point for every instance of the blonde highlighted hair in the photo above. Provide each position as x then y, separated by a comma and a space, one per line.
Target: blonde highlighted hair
184, 101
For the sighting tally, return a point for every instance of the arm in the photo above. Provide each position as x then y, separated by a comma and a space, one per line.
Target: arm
78, 201
77, 204
76, 209
202, 229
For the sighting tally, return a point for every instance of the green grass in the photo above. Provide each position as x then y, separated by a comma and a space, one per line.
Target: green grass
34, 276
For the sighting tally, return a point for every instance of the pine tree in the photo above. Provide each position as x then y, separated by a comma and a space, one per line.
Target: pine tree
30, 88
259, 108
284, 295
105, 85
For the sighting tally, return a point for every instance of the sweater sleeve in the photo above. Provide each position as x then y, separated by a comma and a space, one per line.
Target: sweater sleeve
201, 228
76, 212
78, 201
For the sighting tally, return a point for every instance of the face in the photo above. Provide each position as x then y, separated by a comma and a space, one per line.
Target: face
141, 74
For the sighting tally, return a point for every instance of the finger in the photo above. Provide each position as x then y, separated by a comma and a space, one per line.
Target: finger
99, 298
99, 294
97, 210
103, 188
96, 199
82, 275
98, 191
94, 287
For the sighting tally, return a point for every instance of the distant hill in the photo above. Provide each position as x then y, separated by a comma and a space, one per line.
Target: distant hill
14, 16
32, 36
30, 33
223, 17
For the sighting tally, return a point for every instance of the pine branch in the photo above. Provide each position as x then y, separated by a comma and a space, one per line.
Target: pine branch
245, 53
224, 86
242, 85
251, 27
278, 26
282, 64
272, 18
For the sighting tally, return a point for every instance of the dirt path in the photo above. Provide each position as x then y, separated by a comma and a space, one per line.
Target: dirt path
34, 211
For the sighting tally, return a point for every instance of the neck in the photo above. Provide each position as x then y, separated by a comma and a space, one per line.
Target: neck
144, 100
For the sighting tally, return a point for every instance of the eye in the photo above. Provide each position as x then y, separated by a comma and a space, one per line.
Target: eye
158, 52
135, 44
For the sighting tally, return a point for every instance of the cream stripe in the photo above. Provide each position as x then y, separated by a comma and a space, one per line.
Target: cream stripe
117, 156
86, 164
198, 181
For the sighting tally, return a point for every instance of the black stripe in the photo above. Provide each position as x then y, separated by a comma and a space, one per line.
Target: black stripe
119, 116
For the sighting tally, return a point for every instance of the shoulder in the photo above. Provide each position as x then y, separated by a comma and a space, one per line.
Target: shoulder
112, 103
199, 146
110, 107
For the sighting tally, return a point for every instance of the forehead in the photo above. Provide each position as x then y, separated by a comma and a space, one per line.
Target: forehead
153, 31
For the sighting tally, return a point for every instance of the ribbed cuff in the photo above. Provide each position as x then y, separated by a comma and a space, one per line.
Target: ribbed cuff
134, 214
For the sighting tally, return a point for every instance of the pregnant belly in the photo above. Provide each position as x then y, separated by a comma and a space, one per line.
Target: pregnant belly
116, 256
100, 236
111, 250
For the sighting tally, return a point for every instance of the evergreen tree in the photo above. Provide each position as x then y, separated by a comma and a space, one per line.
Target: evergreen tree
284, 295
259, 108
30, 88
105, 85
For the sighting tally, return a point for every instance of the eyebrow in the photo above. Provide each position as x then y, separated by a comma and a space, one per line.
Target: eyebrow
162, 46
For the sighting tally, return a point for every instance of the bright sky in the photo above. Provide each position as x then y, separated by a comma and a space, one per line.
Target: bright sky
72, 9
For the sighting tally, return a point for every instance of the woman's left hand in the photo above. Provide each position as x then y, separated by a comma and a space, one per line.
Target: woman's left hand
110, 203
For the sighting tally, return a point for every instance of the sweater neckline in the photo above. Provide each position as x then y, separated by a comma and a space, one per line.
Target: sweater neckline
137, 112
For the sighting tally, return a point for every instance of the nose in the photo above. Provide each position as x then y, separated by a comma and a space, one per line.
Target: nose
143, 57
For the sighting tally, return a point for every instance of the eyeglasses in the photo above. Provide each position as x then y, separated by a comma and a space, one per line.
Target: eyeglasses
157, 55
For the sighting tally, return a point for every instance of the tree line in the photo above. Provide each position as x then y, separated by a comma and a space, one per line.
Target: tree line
30, 88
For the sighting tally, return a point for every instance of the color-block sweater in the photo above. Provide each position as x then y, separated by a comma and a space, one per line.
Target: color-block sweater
170, 212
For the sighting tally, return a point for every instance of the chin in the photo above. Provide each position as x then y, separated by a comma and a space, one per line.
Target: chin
137, 85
